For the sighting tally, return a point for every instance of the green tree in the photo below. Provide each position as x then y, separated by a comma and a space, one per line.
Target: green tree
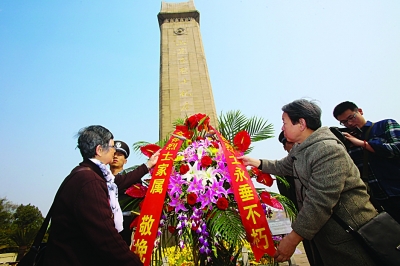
27, 220
6, 217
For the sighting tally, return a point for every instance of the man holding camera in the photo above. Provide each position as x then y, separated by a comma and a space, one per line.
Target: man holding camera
375, 149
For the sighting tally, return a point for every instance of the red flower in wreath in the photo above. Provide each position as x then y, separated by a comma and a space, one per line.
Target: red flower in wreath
242, 140
149, 149
265, 179
215, 144
136, 191
271, 201
222, 203
171, 229
192, 122
262, 178
206, 161
195, 227
169, 208
188, 134
191, 198
204, 121
183, 169
201, 121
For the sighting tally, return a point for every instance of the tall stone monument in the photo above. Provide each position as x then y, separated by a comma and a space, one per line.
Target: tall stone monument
185, 87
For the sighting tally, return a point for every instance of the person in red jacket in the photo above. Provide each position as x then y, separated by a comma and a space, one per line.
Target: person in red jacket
86, 216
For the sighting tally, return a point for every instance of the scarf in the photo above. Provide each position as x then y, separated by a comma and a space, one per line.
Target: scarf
112, 193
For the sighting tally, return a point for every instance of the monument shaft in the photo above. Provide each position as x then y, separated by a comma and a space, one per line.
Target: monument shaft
185, 87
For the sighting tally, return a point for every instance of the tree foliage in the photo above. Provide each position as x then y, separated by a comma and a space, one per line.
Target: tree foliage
6, 219
232, 122
27, 217
18, 225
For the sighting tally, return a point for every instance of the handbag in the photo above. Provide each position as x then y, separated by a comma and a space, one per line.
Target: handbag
35, 255
380, 237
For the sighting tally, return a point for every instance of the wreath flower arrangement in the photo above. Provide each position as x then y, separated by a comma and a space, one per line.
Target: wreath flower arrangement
200, 210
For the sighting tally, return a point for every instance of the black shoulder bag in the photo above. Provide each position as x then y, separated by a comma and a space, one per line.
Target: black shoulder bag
35, 255
379, 236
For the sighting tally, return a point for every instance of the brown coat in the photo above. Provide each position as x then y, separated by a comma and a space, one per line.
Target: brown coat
82, 227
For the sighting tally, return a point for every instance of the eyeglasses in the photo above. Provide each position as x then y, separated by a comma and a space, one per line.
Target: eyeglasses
110, 146
350, 118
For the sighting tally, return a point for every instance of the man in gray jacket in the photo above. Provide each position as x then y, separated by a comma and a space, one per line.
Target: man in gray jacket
326, 181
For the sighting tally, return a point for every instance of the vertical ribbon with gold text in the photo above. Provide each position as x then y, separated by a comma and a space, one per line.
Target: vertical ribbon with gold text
252, 214
151, 210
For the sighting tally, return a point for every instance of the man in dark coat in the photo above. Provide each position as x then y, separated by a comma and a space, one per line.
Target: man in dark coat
86, 216
378, 147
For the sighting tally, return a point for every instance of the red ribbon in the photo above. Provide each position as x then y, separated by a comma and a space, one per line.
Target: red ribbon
249, 205
151, 210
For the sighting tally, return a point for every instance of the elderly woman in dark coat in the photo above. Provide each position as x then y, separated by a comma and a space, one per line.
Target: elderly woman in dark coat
327, 182
86, 216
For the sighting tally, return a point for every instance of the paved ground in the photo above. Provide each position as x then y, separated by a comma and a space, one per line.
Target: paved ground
299, 258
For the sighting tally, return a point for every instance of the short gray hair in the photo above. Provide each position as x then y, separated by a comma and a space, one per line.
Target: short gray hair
90, 137
308, 110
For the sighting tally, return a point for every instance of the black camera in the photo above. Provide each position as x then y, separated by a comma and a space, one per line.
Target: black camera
338, 132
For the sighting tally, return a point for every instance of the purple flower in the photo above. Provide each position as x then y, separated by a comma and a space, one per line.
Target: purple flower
182, 216
198, 230
178, 204
201, 240
196, 185
217, 190
205, 199
175, 185
202, 250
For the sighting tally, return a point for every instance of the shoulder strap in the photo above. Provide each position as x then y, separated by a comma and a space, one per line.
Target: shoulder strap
343, 224
365, 157
43, 228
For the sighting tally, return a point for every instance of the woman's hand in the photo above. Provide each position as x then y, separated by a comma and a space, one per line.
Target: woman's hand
287, 246
153, 159
249, 161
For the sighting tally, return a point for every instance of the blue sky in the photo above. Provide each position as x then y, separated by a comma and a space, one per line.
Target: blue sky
65, 65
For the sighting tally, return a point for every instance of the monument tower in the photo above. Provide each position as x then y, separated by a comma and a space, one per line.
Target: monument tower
185, 87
